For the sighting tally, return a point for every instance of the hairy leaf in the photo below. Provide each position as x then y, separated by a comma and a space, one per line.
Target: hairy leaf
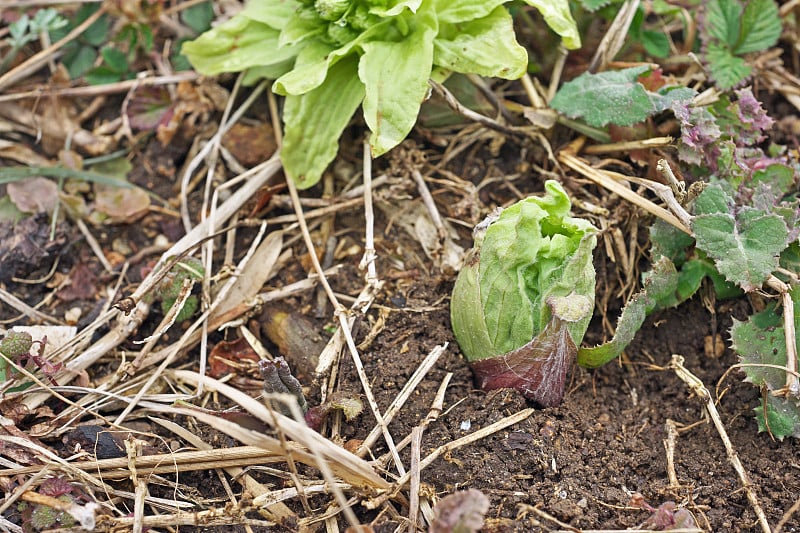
761, 341
746, 247
660, 282
615, 97
782, 417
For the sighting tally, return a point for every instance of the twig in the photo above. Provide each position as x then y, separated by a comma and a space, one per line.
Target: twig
95, 90
669, 446
696, 387
787, 516
37, 60
627, 146
427, 200
437, 406
370, 256
603, 179
615, 37
454, 445
8, 298
558, 70
468, 113
413, 498
402, 397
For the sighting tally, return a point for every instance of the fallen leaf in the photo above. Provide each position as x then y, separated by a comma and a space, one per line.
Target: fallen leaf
82, 284
296, 338
460, 512
121, 205
26, 245
230, 357
33, 195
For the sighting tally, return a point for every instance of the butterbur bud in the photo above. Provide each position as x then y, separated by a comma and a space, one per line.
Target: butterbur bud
523, 300
278, 379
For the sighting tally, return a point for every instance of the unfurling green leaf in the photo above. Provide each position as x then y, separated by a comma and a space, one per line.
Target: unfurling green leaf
523, 301
614, 97
659, 283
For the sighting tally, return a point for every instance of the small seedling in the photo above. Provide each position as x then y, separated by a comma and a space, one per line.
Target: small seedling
170, 289
27, 29
39, 517
731, 29
17, 346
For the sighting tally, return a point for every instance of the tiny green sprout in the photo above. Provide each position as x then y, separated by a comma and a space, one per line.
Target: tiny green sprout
170, 288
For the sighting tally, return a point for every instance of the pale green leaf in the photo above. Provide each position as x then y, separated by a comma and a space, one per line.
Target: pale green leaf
484, 46
456, 11
298, 29
534, 251
614, 97
236, 45
395, 8
745, 249
469, 325
310, 69
315, 121
395, 75
274, 13
527, 258
316, 57
556, 14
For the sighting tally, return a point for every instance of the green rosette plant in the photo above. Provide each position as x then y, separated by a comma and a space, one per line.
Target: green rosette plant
328, 57
521, 304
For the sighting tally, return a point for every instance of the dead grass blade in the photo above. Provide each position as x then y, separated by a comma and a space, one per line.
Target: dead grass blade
608, 180
350, 468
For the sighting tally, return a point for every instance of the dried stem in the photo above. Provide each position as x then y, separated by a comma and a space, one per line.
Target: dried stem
696, 387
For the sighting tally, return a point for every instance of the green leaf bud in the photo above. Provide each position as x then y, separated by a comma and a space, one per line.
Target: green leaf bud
524, 298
